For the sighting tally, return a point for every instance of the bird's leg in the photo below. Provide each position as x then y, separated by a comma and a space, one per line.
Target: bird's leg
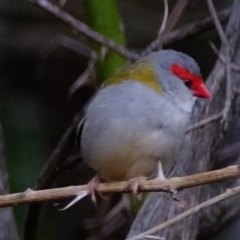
136, 182
160, 176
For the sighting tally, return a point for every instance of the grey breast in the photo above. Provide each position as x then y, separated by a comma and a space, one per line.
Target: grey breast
131, 112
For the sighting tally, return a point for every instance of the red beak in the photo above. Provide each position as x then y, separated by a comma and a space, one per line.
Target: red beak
202, 92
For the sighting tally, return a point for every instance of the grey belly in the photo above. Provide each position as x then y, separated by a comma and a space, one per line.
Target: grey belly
126, 136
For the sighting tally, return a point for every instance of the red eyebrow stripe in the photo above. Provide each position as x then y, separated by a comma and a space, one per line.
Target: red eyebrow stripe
184, 74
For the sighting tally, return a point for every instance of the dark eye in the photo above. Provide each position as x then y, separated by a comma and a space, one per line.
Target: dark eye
188, 83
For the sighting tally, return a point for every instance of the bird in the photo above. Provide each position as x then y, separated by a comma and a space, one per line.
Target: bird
137, 120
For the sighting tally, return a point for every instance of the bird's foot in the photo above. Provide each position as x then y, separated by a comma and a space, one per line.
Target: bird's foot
135, 183
93, 188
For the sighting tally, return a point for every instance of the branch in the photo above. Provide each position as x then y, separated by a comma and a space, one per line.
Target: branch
188, 30
227, 194
222, 58
83, 28
170, 21
176, 183
227, 60
226, 49
217, 22
176, 14
163, 25
205, 121
191, 29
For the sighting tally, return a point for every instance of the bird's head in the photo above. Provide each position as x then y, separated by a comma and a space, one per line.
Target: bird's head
179, 74
192, 81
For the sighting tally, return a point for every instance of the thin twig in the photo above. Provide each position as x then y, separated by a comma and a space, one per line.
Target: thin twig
226, 51
196, 209
177, 35
176, 183
170, 21
83, 28
205, 121
221, 57
227, 61
165, 18
175, 15
188, 30
76, 46
61, 3
229, 91
84, 79
217, 22
163, 25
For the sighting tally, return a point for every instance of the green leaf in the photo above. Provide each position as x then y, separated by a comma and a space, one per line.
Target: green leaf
104, 17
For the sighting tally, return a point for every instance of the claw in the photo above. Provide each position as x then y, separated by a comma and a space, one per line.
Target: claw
80, 196
136, 183
160, 176
178, 201
92, 190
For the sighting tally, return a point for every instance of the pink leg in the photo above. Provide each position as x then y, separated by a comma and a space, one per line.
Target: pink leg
93, 185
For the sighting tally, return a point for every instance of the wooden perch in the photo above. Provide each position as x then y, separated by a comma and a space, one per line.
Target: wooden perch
175, 183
